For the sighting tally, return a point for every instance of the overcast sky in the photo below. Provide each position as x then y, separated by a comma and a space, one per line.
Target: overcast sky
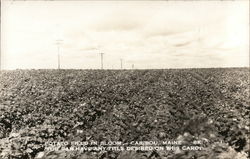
148, 34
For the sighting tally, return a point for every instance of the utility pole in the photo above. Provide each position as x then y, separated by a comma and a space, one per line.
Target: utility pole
199, 41
101, 60
58, 43
133, 66
121, 63
199, 35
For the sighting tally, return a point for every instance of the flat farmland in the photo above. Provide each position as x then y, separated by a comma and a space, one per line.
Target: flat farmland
210, 105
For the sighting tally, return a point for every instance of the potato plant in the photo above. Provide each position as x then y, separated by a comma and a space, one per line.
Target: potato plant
38, 106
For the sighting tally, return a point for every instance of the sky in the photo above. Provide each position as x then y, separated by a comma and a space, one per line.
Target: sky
146, 34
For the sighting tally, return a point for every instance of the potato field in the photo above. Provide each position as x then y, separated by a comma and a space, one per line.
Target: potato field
44, 106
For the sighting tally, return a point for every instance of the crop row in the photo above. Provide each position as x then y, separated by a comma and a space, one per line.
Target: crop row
129, 105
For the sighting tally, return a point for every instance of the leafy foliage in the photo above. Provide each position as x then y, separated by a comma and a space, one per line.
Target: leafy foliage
37, 106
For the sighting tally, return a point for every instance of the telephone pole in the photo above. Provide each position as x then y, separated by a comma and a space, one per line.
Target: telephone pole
199, 41
101, 60
58, 43
121, 63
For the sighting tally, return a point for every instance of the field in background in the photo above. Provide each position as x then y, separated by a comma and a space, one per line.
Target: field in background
125, 105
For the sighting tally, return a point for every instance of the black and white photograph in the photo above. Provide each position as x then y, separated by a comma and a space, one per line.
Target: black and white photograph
125, 79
